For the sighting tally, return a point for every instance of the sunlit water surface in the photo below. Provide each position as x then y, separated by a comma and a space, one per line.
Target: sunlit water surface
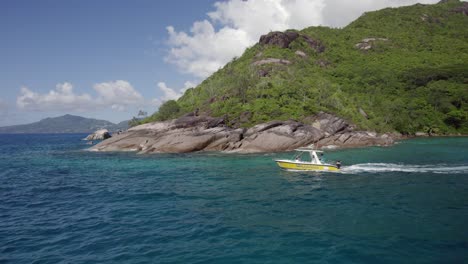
60, 204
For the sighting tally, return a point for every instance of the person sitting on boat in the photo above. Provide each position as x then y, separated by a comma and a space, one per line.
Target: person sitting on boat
338, 164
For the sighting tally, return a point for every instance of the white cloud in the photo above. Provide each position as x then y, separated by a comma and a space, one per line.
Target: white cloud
116, 95
237, 24
189, 84
62, 98
171, 93
339, 13
257, 17
205, 49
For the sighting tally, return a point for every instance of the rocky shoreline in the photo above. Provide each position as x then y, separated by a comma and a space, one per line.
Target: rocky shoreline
203, 133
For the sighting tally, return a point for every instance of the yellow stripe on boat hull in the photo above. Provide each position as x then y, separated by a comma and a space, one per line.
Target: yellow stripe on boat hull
305, 167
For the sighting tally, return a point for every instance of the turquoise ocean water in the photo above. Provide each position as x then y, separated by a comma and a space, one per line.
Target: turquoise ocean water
60, 204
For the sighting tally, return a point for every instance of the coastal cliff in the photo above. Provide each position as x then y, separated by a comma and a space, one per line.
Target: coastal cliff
204, 133
397, 69
394, 71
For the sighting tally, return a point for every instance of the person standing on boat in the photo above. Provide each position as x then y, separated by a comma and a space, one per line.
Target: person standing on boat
338, 164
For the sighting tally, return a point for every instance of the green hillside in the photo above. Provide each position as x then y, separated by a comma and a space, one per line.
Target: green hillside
398, 69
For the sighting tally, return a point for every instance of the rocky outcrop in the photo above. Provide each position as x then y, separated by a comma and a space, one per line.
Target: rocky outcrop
430, 19
203, 133
357, 139
329, 124
283, 39
100, 134
271, 61
322, 63
462, 9
300, 53
279, 39
278, 136
367, 43
315, 44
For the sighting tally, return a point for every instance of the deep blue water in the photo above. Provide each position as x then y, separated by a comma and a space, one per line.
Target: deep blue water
402, 204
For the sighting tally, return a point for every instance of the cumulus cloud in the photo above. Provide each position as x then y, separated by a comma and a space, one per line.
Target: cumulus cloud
205, 49
116, 95
172, 93
339, 13
169, 93
237, 24
61, 98
189, 84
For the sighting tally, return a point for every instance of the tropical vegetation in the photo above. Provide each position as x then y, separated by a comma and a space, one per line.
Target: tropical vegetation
397, 69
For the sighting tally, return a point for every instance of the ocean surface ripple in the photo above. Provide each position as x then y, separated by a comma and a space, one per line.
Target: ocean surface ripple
60, 204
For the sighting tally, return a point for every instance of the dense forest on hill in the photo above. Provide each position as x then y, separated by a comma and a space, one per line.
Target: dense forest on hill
397, 69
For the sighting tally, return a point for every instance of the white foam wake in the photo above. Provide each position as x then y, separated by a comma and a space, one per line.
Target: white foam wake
390, 167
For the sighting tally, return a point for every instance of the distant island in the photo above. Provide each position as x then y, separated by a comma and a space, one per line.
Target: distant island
65, 124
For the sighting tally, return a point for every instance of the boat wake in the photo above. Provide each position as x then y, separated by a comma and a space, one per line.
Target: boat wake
390, 167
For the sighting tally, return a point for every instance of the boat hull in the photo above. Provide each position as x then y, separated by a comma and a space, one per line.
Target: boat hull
302, 166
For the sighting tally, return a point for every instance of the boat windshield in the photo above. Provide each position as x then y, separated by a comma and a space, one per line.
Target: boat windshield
299, 156
311, 156
302, 156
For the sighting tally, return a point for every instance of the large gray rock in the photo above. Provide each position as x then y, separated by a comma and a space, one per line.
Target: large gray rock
368, 43
100, 134
187, 134
284, 39
300, 53
357, 139
279, 136
271, 61
279, 39
462, 9
203, 133
328, 123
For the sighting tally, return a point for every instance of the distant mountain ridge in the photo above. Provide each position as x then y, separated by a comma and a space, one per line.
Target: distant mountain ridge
65, 124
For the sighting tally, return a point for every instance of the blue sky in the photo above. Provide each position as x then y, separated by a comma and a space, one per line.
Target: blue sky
108, 59
86, 42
